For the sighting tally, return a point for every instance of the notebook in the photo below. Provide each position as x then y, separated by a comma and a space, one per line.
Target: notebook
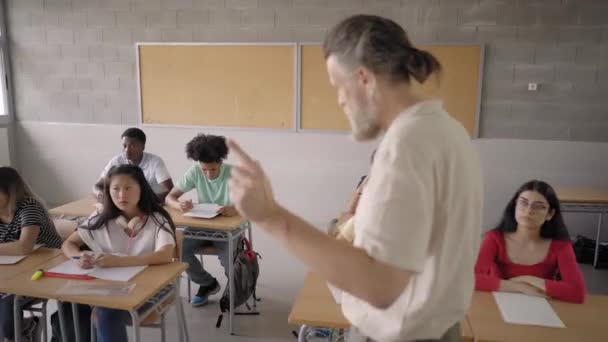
518, 308
70, 267
13, 259
204, 210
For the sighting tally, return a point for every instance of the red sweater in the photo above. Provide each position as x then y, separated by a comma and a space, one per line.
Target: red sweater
493, 264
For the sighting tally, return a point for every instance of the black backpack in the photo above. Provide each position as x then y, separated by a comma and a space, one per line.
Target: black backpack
584, 249
246, 272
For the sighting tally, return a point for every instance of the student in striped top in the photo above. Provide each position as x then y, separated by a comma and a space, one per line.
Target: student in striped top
24, 222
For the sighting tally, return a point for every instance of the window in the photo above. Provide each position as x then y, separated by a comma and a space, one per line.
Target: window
3, 86
5, 90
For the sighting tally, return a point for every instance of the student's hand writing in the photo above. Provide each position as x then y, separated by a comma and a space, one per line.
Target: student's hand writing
250, 189
86, 261
185, 206
108, 260
228, 211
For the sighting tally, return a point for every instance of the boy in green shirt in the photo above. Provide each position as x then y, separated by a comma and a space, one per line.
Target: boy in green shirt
209, 176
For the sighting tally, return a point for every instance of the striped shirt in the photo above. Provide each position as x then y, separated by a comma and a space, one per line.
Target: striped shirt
31, 213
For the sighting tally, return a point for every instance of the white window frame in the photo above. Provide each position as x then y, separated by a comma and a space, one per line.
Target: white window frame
5, 76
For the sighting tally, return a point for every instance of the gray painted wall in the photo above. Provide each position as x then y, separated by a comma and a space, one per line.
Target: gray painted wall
74, 60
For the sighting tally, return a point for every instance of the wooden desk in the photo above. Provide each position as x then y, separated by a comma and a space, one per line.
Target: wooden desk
148, 284
85, 206
315, 307
582, 195
79, 208
221, 228
29, 263
219, 223
585, 200
584, 322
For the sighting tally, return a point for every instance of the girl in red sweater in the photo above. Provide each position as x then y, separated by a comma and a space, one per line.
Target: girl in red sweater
530, 251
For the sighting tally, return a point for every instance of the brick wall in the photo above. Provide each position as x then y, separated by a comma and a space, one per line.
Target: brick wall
74, 61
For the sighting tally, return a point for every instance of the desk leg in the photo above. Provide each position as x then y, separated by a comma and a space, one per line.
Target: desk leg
62, 325
182, 325
45, 336
17, 317
93, 329
163, 327
597, 239
76, 320
302, 333
250, 235
135, 326
231, 252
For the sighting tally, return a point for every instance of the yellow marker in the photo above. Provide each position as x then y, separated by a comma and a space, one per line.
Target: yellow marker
37, 275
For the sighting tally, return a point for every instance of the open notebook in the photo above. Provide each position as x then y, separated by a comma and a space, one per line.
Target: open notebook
13, 259
70, 267
204, 210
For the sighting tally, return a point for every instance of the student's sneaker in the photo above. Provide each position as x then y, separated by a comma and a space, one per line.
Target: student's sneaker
319, 334
202, 296
32, 329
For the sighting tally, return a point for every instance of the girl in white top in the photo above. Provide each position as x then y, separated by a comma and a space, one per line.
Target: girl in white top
131, 230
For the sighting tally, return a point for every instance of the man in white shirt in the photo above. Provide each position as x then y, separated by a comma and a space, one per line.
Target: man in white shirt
409, 275
133, 145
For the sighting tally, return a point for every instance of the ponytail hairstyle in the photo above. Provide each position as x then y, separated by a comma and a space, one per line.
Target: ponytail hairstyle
380, 45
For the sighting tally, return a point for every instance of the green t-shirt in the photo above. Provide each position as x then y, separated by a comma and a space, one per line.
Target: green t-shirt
209, 191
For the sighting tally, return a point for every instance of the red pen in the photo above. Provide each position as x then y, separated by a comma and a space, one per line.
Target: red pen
68, 276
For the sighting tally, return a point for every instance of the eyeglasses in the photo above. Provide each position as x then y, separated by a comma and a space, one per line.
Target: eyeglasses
534, 206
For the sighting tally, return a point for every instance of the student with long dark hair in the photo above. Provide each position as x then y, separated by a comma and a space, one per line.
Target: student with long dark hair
530, 250
24, 222
132, 229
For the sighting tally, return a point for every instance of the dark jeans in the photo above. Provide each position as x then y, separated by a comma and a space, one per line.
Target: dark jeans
7, 319
111, 325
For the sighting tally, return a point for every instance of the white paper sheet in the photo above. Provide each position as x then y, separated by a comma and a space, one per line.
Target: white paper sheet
10, 259
518, 308
13, 259
106, 273
204, 210
336, 293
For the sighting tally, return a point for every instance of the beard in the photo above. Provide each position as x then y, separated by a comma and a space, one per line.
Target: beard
364, 125
364, 121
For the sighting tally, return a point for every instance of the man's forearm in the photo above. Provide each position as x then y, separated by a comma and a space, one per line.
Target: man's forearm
348, 268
